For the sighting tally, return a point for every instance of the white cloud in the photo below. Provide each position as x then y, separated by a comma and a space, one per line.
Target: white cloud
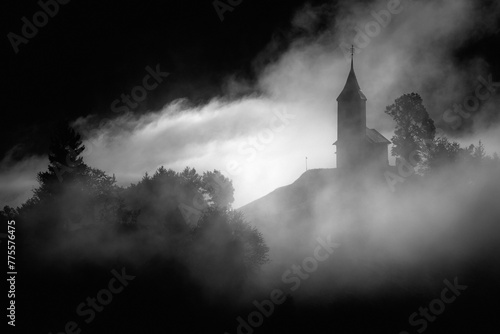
411, 54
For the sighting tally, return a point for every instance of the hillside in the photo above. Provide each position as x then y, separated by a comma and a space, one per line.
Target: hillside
292, 196
397, 250
314, 190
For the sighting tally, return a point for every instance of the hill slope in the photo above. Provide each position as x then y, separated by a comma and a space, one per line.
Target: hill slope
292, 196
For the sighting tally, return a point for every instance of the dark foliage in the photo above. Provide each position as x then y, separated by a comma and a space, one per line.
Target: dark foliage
414, 128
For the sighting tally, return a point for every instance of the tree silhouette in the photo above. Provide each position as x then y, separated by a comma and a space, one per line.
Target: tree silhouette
8, 213
220, 233
70, 193
65, 162
219, 189
414, 131
228, 248
443, 153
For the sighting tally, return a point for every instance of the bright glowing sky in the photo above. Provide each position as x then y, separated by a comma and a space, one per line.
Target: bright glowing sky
304, 82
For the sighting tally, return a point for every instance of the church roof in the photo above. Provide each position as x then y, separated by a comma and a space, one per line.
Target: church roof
351, 89
374, 137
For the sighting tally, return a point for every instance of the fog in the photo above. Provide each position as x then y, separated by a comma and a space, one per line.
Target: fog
444, 225
405, 56
439, 226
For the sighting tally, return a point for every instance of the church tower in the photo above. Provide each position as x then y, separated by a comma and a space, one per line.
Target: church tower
357, 145
351, 123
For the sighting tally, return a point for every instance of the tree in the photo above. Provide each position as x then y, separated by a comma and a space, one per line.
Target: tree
65, 162
167, 192
70, 193
228, 228
414, 131
191, 214
443, 153
218, 188
478, 153
8, 213
228, 248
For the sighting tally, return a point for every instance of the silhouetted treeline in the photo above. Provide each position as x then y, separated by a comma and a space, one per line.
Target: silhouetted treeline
174, 231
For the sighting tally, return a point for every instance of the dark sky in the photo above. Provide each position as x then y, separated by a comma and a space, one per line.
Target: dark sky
90, 52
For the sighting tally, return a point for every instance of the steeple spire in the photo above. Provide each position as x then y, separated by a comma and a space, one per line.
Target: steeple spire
352, 57
351, 90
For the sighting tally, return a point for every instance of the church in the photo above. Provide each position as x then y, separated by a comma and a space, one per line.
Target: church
357, 145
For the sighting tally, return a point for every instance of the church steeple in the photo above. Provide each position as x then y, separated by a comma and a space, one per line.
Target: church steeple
357, 146
351, 122
351, 89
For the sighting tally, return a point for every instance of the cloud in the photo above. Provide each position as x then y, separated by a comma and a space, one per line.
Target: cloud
415, 52
19, 178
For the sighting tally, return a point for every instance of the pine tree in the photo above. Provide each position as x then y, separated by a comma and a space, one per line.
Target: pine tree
65, 162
